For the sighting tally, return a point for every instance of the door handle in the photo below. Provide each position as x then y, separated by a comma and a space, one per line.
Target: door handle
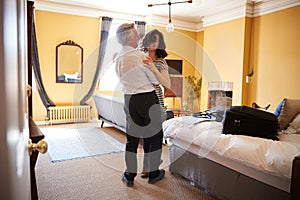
41, 146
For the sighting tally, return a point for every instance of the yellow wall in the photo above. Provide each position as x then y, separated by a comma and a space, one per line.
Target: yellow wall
220, 53
180, 45
51, 30
276, 57
54, 28
248, 61
273, 50
223, 57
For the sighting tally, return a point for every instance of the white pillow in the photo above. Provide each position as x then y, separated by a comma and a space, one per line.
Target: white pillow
294, 126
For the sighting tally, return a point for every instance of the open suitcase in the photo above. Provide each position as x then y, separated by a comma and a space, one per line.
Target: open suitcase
244, 120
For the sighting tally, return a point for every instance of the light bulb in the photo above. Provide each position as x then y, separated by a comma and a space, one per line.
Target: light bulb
170, 27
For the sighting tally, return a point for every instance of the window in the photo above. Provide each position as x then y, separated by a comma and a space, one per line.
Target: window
108, 77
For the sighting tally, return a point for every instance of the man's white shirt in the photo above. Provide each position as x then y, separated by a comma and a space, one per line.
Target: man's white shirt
134, 76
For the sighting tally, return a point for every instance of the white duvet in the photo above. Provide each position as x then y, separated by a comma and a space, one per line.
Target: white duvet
266, 155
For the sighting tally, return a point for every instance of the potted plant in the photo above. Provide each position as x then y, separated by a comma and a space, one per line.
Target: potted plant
193, 90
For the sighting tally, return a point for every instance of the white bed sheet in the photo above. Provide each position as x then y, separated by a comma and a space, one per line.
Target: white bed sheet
205, 139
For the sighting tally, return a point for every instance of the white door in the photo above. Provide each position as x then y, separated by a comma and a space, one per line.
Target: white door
14, 131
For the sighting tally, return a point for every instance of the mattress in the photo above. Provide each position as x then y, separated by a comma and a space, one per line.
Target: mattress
262, 159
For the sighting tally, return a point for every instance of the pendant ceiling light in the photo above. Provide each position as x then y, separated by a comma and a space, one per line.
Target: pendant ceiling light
170, 26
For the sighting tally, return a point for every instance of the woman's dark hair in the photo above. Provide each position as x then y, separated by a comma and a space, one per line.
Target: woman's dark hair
150, 37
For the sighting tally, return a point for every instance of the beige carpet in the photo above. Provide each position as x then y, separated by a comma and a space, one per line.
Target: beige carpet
100, 178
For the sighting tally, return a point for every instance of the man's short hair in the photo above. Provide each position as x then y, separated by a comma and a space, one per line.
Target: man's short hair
123, 32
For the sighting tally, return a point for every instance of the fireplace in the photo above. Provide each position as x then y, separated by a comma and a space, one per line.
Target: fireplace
220, 94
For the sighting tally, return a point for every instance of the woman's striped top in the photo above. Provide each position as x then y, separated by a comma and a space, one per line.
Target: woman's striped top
161, 64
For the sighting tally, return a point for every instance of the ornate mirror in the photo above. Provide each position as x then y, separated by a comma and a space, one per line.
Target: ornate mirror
69, 62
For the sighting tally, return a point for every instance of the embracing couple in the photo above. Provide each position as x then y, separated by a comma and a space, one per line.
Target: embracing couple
142, 74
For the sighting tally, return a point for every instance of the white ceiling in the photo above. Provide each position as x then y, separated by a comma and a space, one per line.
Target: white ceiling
188, 11
189, 16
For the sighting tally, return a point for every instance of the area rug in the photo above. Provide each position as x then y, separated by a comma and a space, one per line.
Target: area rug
75, 143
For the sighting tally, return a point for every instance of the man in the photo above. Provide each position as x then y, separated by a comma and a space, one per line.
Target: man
143, 114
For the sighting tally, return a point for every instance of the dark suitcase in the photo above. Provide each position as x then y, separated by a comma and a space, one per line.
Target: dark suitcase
244, 120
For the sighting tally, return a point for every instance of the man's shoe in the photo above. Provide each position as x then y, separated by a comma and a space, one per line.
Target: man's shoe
126, 181
146, 174
160, 176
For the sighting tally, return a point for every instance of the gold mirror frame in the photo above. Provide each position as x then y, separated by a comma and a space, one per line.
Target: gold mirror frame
69, 62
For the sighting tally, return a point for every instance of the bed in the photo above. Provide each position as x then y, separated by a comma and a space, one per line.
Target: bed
232, 166
110, 109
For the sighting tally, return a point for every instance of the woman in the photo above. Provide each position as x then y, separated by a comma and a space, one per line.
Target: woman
154, 45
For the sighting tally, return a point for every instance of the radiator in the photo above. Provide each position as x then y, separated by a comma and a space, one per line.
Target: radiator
66, 114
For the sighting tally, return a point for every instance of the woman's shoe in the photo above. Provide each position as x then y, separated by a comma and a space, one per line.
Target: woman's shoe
145, 175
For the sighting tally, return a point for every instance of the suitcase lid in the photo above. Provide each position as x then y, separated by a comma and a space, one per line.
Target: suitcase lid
261, 114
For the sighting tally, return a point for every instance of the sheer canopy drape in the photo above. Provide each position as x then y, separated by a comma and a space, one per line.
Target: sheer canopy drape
37, 70
141, 28
105, 27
